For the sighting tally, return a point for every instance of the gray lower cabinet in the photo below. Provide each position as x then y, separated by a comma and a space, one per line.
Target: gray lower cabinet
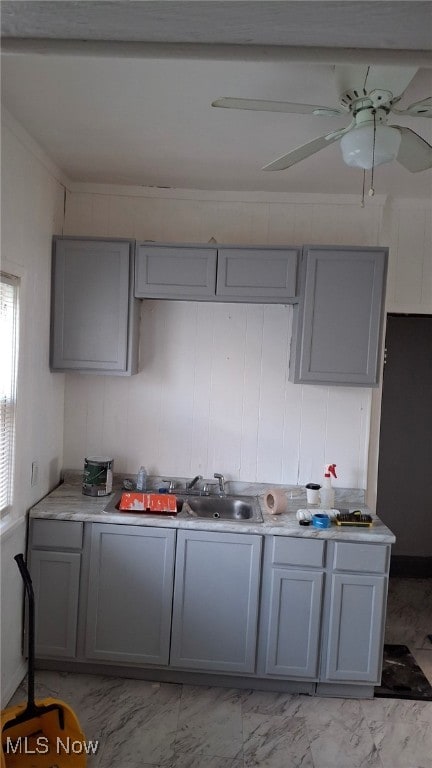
56, 581
338, 322
355, 628
215, 608
130, 594
55, 566
291, 608
311, 611
356, 612
94, 316
208, 273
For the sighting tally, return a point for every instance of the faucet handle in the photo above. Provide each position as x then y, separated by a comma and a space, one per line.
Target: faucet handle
171, 484
193, 482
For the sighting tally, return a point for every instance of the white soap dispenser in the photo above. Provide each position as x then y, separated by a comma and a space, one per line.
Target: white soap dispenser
327, 494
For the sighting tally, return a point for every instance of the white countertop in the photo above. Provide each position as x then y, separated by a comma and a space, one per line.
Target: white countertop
67, 502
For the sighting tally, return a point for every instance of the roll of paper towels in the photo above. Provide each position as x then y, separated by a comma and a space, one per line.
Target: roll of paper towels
276, 501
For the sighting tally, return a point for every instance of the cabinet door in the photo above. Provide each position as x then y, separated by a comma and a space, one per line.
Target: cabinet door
293, 627
356, 627
216, 601
339, 319
257, 274
130, 593
56, 577
94, 317
175, 272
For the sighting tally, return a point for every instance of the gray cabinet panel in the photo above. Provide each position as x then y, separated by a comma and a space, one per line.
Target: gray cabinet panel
175, 272
286, 551
257, 274
294, 623
215, 607
56, 534
339, 318
358, 556
130, 593
55, 577
356, 624
94, 315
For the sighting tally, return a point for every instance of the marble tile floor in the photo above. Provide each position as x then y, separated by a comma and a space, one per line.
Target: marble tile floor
141, 724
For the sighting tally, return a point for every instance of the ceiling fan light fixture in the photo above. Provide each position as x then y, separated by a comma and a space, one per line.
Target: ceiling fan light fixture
358, 145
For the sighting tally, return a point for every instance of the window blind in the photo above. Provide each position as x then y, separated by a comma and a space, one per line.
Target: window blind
8, 371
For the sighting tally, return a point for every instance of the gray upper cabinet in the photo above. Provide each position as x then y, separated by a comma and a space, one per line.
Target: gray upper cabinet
130, 594
215, 608
94, 319
175, 271
339, 317
257, 274
206, 273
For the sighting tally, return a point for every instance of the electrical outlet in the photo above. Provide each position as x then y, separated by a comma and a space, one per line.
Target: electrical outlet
34, 473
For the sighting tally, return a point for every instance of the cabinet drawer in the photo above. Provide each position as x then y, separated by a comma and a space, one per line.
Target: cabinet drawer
365, 558
63, 534
296, 551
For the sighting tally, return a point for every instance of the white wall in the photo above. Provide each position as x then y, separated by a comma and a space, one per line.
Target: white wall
32, 210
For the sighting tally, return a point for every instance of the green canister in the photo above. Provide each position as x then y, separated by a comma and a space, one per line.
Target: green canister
98, 476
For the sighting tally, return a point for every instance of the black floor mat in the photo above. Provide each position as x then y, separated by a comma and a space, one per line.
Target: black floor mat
402, 678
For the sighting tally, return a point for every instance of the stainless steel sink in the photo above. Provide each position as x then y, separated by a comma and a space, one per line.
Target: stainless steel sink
238, 508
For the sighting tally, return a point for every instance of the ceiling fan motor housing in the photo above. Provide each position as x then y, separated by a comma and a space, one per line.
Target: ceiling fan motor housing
377, 99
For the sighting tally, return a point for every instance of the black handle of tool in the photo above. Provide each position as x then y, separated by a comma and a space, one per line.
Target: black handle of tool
32, 709
31, 629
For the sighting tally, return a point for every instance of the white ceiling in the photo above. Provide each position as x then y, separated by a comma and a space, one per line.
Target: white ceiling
141, 113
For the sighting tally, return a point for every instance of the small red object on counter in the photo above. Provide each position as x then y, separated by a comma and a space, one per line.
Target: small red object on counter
135, 501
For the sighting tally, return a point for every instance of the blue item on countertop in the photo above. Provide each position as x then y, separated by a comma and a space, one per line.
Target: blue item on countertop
321, 520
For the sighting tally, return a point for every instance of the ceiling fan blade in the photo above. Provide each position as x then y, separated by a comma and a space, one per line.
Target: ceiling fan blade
262, 105
301, 153
421, 108
415, 154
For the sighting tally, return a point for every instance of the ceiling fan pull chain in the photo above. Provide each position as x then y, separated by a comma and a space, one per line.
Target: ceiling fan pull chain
372, 191
363, 189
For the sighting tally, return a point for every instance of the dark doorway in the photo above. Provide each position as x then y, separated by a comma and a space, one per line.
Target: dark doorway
404, 492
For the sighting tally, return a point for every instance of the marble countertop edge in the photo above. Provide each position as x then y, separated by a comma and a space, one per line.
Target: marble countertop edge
67, 502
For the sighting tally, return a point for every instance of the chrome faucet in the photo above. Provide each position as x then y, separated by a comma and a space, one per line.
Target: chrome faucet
193, 482
221, 483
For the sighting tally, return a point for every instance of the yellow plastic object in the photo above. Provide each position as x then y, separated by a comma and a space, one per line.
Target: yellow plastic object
41, 742
355, 518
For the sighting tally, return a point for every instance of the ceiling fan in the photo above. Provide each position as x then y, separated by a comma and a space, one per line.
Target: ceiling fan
367, 94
